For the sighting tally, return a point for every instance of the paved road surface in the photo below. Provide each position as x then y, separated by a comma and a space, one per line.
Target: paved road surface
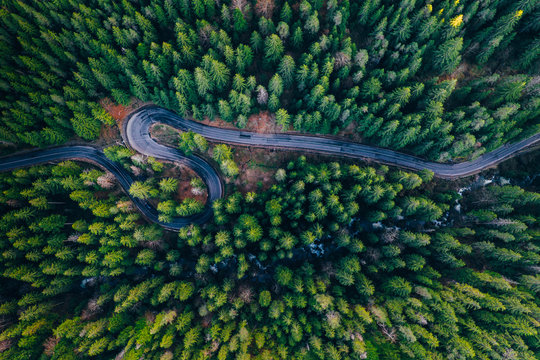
136, 131
125, 178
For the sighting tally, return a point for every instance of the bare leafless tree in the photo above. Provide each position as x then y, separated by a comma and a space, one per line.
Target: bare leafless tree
262, 95
106, 181
265, 8
342, 59
49, 345
245, 293
238, 4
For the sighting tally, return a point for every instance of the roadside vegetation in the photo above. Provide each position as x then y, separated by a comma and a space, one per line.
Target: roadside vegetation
160, 190
302, 259
446, 80
333, 261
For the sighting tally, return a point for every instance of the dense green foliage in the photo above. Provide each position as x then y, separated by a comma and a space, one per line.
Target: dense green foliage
333, 262
411, 75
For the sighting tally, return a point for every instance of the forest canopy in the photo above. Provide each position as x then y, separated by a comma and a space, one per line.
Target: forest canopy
444, 80
333, 262
319, 259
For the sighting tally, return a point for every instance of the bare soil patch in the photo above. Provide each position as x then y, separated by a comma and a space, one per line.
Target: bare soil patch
165, 134
118, 111
263, 122
258, 166
109, 134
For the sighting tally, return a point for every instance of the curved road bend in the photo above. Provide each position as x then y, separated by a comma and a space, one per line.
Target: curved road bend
125, 178
137, 131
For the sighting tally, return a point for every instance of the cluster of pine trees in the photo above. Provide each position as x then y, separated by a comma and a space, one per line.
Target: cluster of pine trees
413, 75
334, 261
153, 187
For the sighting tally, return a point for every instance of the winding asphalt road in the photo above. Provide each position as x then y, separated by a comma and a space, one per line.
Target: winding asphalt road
138, 126
96, 156
137, 134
